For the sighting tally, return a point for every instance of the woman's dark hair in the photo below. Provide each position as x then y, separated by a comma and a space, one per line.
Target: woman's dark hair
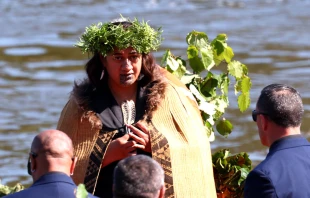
282, 105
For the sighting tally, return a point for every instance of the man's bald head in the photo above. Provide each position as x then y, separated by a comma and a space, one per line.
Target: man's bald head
52, 143
52, 151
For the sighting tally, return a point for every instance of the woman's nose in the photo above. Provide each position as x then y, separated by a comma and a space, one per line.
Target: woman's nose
126, 65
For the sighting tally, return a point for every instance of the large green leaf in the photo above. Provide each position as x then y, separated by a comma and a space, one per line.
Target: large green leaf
238, 86
228, 54
81, 191
170, 62
209, 130
218, 49
218, 46
196, 93
180, 71
235, 69
187, 78
209, 109
194, 61
219, 43
181, 61
221, 103
221, 37
224, 83
243, 175
246, 84
198, 39
208, 87
207, 58
245, 69
221, 51
163, 62
224, 127
244, 101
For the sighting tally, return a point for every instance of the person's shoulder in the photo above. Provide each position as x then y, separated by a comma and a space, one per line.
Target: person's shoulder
266, 166
258, 184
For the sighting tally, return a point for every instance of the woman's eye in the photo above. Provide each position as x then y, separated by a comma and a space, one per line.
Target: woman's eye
134, 58
117, 58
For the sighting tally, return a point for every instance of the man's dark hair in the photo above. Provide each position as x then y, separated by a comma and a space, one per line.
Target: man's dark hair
138, 176
282, 105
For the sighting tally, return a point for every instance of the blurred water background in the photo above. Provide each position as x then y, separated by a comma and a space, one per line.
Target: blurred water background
38, 62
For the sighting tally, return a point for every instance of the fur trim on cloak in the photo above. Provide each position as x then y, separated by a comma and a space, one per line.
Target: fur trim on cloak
83, 94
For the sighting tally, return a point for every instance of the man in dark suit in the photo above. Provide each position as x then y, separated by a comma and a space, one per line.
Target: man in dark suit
51, 163
286, 170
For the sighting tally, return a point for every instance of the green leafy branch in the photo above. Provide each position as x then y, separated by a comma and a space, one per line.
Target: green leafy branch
211, 90
6, 190
230, 172
105, 37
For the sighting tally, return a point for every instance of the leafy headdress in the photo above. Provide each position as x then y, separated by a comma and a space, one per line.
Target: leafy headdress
121, 33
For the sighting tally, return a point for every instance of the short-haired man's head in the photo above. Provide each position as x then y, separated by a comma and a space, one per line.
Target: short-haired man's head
51, 150
53, 143
138, 176
282, 104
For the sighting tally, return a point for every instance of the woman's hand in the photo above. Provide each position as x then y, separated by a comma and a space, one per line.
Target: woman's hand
141, 135
120, 148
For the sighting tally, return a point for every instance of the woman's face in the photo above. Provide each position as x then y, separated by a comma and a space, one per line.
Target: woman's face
123, 66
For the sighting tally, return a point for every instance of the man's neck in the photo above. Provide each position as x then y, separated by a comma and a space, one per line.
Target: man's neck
280, 132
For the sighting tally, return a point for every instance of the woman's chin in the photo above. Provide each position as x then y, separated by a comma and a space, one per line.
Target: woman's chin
127, 81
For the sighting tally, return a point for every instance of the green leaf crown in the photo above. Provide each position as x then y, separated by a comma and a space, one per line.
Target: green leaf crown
103, 38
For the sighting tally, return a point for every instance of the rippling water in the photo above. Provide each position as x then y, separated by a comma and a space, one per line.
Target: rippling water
38, 62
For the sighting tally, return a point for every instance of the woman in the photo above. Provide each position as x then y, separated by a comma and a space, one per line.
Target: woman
128, 105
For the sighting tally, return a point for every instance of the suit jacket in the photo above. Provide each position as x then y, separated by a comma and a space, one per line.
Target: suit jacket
284, 173
51, 185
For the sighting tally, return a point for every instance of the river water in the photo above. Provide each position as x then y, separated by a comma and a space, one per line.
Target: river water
38, 62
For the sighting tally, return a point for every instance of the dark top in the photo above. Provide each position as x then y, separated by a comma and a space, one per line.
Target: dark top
111, 116
51, 185
284, 173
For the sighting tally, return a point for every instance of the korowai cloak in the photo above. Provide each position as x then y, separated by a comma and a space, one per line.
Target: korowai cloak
178, 139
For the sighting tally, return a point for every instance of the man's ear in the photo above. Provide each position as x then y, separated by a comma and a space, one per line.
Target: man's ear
264, 122
33, 163
72, 167
162, 192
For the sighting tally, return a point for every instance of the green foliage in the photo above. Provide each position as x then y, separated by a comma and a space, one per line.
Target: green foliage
211, 94
81, 191
6, 190
230, 172
211, 91
224, 127
104, 38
